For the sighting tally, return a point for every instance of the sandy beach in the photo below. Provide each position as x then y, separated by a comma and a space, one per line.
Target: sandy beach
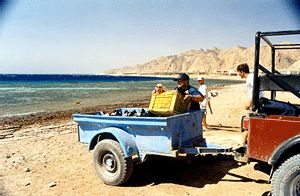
40, 155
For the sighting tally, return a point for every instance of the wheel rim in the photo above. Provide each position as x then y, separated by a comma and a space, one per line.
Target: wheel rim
295, 186
108, 164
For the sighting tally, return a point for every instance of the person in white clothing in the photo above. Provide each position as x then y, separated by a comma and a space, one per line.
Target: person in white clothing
206, 102
243, 71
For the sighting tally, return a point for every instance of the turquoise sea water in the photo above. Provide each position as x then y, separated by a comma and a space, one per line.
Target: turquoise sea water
31, 95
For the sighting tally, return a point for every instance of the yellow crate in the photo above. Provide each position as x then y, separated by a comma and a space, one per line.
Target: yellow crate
169, 103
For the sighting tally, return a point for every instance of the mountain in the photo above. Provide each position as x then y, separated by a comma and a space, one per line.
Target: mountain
295, 66
213, 60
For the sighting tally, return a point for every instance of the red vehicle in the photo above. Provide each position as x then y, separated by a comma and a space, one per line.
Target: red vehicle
273, 125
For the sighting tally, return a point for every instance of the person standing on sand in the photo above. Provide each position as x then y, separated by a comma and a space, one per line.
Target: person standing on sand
243, 71
189, 91
206, 102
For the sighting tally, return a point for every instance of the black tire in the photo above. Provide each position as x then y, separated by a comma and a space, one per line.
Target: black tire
286, 179
110, 163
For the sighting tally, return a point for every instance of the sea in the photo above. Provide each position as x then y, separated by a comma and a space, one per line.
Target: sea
25, 94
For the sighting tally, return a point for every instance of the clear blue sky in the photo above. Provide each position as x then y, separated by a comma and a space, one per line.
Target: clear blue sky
87, 37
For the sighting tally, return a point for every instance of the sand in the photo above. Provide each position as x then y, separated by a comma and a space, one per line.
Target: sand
42, 156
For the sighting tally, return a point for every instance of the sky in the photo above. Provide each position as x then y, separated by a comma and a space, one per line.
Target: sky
91, 36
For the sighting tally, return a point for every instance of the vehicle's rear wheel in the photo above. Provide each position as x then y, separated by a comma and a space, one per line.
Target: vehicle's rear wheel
286, 179
110, 163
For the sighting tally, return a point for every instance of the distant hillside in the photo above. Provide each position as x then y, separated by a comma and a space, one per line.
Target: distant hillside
212, 61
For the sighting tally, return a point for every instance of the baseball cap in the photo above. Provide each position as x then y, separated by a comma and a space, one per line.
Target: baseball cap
182, 76
200, 78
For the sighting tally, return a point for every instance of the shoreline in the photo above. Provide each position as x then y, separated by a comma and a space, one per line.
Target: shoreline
19, 121
42, 118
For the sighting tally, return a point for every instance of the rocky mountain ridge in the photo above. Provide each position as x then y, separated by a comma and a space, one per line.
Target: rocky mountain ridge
213, 60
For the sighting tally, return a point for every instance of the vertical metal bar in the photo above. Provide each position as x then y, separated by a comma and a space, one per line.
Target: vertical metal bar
255, 92
273, 59
273, 93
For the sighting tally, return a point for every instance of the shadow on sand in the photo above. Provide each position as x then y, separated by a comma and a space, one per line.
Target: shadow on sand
200, 171
224, 128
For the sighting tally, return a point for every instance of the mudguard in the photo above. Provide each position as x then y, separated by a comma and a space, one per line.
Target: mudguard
282, 148
125, 140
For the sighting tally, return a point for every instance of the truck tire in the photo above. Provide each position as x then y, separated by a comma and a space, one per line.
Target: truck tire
110, 163
286, 179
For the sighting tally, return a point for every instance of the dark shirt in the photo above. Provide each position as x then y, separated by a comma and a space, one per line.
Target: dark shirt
192, 91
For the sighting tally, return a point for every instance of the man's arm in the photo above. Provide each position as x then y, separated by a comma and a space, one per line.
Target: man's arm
197, 98
208, 103
248, 104
194, 96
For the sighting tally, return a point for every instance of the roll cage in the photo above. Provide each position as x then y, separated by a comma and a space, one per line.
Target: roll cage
273, 80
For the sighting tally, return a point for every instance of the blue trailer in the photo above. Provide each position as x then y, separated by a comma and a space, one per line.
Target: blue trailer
119, 142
